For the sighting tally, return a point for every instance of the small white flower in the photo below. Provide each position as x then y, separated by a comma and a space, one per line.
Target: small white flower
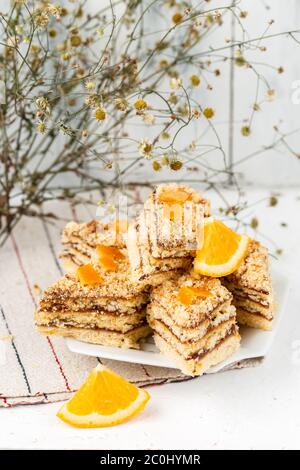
148, 118
175, 83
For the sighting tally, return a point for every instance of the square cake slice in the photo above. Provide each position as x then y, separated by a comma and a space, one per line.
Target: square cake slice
194, 322
108, 311
144, 267
252, 290
174, 215
80, 240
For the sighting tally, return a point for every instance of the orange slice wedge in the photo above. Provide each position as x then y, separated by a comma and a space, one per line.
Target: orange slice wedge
187, 294
222, 252
105, 399
88, 276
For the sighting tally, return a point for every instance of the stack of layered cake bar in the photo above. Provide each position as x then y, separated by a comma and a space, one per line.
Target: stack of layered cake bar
97, 303
126, 283
251, 287
158, 241
194, 322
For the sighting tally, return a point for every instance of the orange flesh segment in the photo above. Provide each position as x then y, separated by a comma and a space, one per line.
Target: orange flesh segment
216, 254
222, 251
113, 393
88, 276
187, 295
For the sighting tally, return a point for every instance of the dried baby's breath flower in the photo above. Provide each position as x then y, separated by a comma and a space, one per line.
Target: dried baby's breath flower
273, 201
196, 113
92, 101
245, 131
240, 60
145, 148
208, 113
165, 160
163, 63
75, 41
41, 20
121, 104
100, 32
140, 105
100, 113
41, 127
66, 56
165, 135
85, 133
254, 223
148, 118
177, 17
175, 165
256, 107
52, 33
173, 99
80, 72
54, 10
90, 85
42, 104
19, 29
195, 80
156, 165
183, 110
270, 92
175, 83
192, 145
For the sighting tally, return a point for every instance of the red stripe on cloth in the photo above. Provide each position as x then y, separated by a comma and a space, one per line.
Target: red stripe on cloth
6, 402
59, 364
34, 302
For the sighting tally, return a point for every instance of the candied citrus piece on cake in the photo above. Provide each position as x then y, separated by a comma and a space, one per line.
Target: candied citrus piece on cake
108, 255
187, 294
88, 276
105, 399
109, 251
174, 197
222, 251
173, 202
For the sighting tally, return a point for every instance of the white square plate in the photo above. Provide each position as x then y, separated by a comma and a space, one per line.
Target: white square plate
255, 343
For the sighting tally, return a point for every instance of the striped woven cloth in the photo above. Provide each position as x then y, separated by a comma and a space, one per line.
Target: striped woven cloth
36, 369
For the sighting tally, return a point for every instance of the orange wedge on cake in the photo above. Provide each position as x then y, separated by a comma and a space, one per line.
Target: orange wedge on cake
222, 251
105, 399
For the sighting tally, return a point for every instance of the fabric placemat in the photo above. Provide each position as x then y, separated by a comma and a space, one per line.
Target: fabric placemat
33, 368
